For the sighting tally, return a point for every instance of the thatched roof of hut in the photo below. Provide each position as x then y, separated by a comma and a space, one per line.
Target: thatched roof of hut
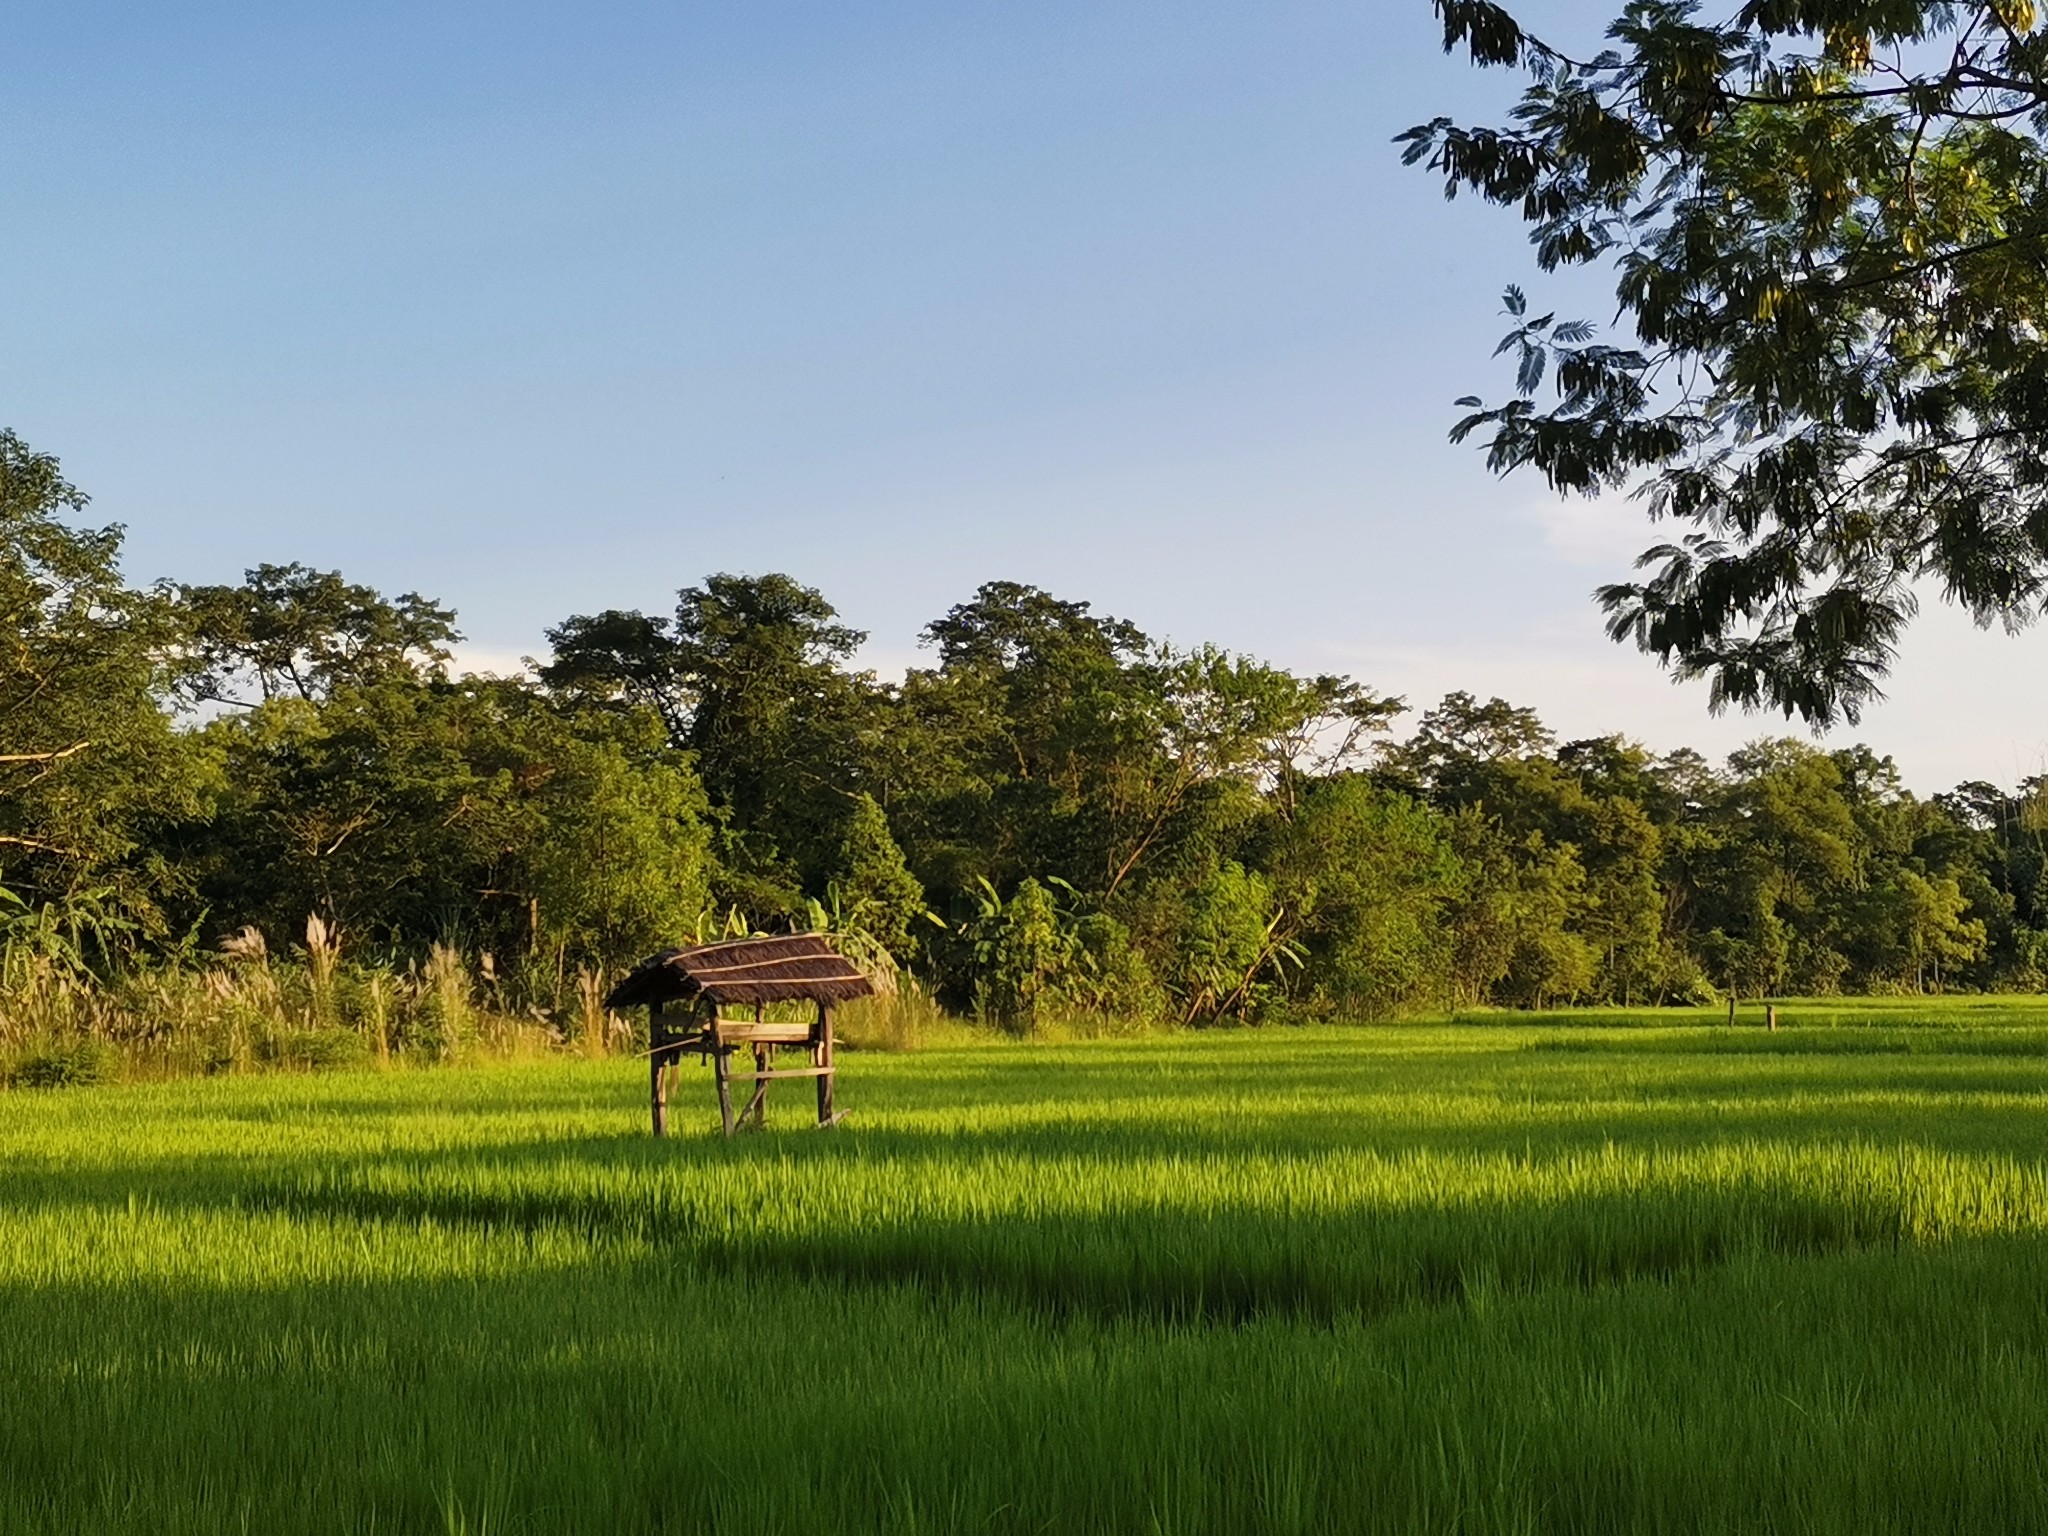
788, 968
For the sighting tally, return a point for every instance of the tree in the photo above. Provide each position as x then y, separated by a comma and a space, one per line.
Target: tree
1214, 717
1082, 748
1622, 922
1790, 849
1456, 743
738, 655
1233, 947
416, 808
1576, 821
1993, 842
1054, 728
616, 861
292, 630
91, 772
749, 677
1828, 225
1366, 878
1021, 951
1914, 930
874, 890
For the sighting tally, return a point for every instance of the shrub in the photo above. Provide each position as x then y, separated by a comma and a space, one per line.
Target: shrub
65, 1064
1021, 951
316, 1049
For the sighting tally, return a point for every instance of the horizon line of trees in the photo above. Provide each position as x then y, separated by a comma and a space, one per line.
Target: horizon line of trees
1058, 816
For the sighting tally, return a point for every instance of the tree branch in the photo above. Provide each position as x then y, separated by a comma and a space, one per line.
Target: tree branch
45, 757
37, 845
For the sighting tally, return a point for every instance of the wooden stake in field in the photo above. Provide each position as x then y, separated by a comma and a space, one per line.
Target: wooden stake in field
686, 993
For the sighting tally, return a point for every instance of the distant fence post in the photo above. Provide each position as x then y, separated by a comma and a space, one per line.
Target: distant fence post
1770, 1015
1731, 1006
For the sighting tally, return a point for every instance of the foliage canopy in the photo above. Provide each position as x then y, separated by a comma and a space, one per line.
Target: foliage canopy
1826, 221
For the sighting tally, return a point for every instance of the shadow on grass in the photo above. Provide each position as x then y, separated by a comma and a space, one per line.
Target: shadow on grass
1148, 1256
586, 1400
1549, 1109
1132, 1122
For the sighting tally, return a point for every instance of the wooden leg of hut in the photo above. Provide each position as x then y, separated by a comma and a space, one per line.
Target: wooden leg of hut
658, 1089
757, 1106
657, 1069
721, 1068
821, 1056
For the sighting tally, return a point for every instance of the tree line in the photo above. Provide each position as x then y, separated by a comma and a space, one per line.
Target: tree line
1056, 816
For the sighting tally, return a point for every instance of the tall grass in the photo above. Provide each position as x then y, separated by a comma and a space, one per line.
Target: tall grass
320, 1007
247, 1011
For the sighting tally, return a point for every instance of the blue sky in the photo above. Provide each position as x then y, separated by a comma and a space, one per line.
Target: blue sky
542, 309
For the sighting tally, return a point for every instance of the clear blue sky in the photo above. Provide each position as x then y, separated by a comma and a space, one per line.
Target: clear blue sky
543, 308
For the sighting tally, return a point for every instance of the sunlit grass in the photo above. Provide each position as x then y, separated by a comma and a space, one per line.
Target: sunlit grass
1560, 1274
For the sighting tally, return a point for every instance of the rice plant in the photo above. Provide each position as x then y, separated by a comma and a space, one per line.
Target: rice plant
1494, 1277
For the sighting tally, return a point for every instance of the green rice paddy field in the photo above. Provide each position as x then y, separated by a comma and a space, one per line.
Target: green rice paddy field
1605, 1272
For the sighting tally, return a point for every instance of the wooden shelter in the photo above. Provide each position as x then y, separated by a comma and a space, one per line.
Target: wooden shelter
689, 995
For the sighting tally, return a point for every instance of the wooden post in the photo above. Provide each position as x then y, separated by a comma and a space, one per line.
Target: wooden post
657, 1068
721, 1066
821, 1056
1731, 1008
1770, 1016
757, 1106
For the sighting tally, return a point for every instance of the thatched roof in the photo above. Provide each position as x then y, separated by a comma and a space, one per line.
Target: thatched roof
790, 968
